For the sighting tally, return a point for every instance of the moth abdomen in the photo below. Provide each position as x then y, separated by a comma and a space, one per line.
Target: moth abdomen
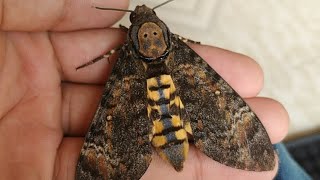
169, 136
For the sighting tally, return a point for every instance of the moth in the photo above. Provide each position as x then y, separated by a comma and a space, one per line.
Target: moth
162, 96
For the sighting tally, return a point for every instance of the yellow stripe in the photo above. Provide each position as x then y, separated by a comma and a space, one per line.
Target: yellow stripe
176, 121
152, 82
188, 128
158, 126
181, 134
185, 148
153, 95
177, 101
172, 87
166, 93
181, 104
165, 79
159, 141
149, 110
172, 102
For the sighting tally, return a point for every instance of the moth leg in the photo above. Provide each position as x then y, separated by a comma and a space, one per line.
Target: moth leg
106, 55
124, 28
185, 40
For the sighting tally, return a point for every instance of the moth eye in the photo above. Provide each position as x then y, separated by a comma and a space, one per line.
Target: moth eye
155, 33
145, 35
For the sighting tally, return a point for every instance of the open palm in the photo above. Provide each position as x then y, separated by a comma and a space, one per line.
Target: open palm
46, 105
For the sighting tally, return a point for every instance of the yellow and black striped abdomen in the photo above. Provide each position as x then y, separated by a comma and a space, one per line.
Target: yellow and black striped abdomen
169, 133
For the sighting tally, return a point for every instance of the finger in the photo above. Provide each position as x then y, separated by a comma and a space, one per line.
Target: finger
67, 158
197, 166
76, 48
273, 115
80, 103
59, 15
200, 166
240, 71
73, 49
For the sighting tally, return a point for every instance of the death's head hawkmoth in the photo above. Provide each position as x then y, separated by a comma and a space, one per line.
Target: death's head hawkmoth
161, 95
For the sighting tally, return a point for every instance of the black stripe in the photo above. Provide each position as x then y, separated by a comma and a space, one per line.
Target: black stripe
167, 145
164, 116
164, 86
167, 131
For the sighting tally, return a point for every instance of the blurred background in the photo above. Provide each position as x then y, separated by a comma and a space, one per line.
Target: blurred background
282, 36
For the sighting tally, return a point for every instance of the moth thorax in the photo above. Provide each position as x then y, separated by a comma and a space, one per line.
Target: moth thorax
151, 40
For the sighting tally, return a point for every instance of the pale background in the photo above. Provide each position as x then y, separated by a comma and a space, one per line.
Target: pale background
283, 36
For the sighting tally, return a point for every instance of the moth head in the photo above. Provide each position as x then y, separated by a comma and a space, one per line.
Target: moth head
140, 13
149, 35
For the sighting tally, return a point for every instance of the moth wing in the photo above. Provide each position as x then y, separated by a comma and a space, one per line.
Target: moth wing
223, 125
117, 144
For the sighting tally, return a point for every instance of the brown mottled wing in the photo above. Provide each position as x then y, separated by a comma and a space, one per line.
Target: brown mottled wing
117, 144
224, 127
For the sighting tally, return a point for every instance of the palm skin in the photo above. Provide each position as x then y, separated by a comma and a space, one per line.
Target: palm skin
46, 105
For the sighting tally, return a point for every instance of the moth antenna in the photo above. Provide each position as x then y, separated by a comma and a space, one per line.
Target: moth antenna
112, 9
161, 4
90, 62
106, 55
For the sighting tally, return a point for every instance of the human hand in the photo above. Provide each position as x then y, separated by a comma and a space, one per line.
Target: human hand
46, 105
